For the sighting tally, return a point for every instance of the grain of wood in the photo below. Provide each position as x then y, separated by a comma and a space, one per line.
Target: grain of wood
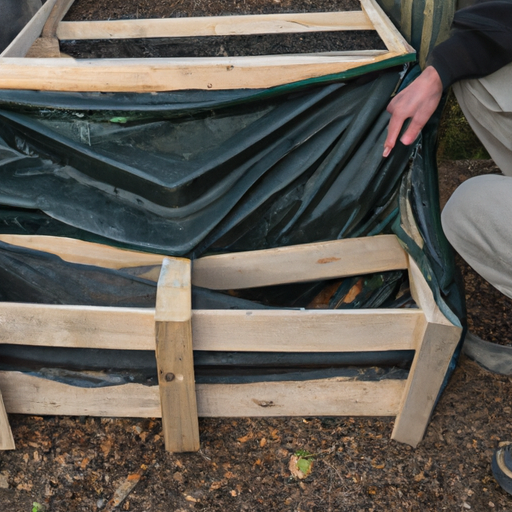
173, 74
300, 263
215, 25
174, 357
26, 394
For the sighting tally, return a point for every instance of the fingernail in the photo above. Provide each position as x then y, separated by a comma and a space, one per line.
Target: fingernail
386, 152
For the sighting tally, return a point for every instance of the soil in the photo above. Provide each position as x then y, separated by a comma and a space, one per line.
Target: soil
64, 464
83, 10
215, 46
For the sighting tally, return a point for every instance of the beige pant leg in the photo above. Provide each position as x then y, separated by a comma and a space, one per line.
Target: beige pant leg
487, 105
477, 219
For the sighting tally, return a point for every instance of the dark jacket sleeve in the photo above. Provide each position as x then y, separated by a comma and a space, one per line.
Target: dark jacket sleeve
480, 42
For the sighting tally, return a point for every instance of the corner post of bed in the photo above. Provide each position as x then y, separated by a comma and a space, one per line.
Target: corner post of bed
436, 341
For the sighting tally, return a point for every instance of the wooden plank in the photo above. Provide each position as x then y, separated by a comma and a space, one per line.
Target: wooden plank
48, 45
77, 326
6, 439
58, 12
300, 263
389, 34
86, 253
228, 330
306, 331
26, 394
436, 345
154, 75
174, 357
215, 25
32, 30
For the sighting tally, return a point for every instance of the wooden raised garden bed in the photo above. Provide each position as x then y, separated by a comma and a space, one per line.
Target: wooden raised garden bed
172, 329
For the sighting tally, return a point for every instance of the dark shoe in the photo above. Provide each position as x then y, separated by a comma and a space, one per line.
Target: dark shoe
502, 466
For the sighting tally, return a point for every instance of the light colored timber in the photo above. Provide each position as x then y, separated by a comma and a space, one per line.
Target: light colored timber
48, 45
436, 345
215, 25
226, 330
174, 357
26, 394
85, 253
304, 262
6, 439
154, 75
32, 30
300, 263
389, 34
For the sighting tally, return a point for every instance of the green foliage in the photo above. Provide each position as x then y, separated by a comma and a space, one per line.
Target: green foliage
37, 507
305, 461
457, 140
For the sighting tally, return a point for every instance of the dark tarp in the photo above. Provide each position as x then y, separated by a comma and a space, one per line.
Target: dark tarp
199, 172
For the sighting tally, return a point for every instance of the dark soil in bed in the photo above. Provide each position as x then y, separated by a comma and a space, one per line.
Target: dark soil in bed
225, 46
83, 10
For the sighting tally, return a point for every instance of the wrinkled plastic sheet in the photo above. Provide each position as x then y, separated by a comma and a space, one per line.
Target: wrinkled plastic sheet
195, 173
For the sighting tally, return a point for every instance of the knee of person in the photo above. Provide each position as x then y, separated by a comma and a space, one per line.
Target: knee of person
14, 15
465, 209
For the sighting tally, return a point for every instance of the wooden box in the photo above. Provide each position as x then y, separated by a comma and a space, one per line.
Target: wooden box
172, 329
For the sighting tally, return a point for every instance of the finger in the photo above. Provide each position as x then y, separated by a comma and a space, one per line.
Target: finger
412, 132
394, 127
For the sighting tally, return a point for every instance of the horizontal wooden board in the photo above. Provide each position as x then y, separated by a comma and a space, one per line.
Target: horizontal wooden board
154, 75
86, 253
215, 25
322, 260
237, 330
299, 263
26, 394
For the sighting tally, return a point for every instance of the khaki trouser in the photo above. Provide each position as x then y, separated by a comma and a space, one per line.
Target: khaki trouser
477, 219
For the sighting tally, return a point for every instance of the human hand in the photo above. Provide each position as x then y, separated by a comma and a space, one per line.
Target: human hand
416, 102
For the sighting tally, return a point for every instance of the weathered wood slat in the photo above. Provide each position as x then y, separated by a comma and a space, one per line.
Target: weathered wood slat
48, 45
299, 263
217, 330
87, 253
215, 25
306, 262
154, 75
389, 34
26, 394
437, 342
174, 357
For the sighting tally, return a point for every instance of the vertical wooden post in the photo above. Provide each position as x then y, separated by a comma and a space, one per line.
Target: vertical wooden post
173, 315
6, 439
436, 343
